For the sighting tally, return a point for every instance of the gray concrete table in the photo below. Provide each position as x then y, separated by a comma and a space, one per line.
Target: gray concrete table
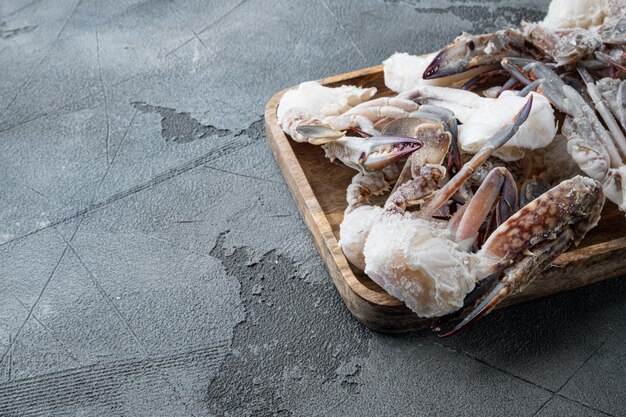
153, 262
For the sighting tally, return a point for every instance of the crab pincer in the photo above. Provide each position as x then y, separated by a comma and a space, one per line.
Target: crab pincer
370, 154
471, 51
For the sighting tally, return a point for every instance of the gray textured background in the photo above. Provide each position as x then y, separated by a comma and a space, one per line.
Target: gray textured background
153, 262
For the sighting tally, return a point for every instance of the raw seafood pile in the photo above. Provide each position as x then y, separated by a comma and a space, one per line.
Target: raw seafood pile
494, 155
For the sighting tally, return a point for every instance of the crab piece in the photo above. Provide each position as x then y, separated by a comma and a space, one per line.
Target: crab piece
526, 244
598, 152
571, 32
481, 117
603, 109
614, 94
313, 103
360, 215
370, 154
495, 142
428, 263
437, 129
336, 109
566, 46
613, 28
579, 30
404, 72
420, 232
472, 51
536, 41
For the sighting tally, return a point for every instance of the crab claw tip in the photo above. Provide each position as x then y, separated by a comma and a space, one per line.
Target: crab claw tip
380, 151
432, 71
524, 112
487, 294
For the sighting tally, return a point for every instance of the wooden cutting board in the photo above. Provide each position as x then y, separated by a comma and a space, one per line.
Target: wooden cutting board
319, 188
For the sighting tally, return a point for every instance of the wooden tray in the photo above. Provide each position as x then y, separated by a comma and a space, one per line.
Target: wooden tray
319, 190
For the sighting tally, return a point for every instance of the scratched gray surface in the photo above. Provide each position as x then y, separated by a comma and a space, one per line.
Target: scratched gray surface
153, 262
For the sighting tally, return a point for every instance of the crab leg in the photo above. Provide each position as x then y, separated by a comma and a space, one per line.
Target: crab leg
383, 107
318, 134
515, 71
614, 94
432, 92
485, 76
529, 88
498, 183
508, 85
607, 59
476, 304
496, 141
603, 110
528, 241
569, 101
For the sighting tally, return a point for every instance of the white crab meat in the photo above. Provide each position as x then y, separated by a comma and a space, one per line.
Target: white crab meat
354, 230
481, 117
538, 131
417, 261
404, 72
568, 14
492, 92
317, 101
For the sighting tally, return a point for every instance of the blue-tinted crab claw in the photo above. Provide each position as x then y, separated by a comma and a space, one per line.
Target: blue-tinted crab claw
472, 51
370, 154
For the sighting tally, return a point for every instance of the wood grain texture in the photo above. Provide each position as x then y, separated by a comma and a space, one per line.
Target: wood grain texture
319, 190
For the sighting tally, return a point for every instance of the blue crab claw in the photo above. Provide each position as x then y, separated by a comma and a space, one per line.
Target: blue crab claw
472, 51
453, 59
371, 154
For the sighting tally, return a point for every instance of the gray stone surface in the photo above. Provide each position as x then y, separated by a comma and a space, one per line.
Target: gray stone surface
153, 262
